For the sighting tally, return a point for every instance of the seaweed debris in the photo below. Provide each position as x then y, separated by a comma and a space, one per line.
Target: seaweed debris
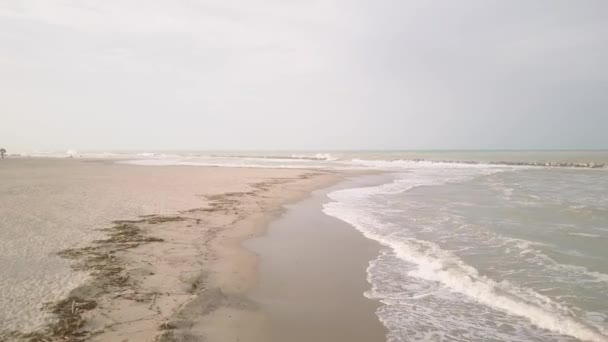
108, 272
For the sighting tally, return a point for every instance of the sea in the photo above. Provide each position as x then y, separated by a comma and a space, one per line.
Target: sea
476, 245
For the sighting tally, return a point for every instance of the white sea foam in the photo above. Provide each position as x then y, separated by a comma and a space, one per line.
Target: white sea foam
237, 163
585, 235
400, 164
431, 263
146, 154
316, 156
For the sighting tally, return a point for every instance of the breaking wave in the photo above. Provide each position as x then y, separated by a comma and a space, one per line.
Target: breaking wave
427, 261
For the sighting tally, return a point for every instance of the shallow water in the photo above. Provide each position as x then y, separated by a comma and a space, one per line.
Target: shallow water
487, 253
311, 276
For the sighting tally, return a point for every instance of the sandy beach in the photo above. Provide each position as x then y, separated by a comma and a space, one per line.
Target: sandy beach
316, 264
155, 251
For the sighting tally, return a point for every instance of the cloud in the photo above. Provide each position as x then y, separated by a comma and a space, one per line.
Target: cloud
303, 74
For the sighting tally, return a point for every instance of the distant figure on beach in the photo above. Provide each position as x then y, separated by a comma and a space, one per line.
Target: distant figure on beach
2, 152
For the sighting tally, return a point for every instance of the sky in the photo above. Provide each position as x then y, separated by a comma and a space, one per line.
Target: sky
303, 74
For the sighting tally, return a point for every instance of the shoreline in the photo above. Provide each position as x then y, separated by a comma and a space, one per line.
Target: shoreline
236, 268
313, 273
182, 276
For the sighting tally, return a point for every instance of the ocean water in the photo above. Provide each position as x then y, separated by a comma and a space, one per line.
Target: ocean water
335, 159
477, 245
485, 252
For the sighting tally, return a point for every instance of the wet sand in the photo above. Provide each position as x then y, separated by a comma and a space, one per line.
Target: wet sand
160, 247
312, 276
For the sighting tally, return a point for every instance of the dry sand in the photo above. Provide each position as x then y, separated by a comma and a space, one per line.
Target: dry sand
168, 264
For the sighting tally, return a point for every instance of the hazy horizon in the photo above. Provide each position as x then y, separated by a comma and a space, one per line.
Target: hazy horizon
161, 150
269, 75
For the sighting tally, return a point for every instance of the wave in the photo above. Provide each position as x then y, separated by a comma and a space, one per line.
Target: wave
586, 235
431, 263
399, 164
186, 162
317, 156
457, 163
313, 157
534, 163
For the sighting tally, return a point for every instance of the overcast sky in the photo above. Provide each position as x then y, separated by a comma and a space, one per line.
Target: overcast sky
302, 74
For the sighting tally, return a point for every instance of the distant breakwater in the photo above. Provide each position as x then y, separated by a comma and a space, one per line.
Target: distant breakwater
590, 165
